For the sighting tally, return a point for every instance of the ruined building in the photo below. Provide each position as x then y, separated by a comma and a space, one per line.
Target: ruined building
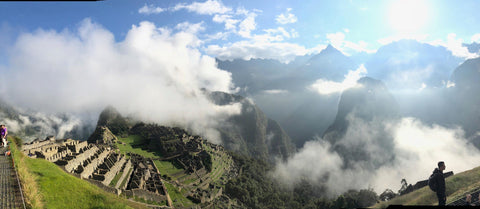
100, 164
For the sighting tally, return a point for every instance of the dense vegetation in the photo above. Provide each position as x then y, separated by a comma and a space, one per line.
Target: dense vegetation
256, 189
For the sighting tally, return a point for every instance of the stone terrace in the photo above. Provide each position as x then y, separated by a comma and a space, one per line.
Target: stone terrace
100, 165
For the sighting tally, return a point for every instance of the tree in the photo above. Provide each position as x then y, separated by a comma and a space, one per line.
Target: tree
340, 202
387, 195
404, 186
366, 198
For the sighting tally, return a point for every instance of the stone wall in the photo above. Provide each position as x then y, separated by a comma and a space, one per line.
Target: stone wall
114, 171
79, 159
58, 155
146, 195
104, 187
76, 147
35, 144
127, 167
90, 168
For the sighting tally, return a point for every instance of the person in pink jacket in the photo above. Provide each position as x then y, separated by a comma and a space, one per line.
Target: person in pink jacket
3, 135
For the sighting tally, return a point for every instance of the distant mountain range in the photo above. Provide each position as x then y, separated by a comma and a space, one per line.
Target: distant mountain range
407, 64
406, 67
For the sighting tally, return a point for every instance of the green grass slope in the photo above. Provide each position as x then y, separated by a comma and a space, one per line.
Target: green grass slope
457, 186
55, 188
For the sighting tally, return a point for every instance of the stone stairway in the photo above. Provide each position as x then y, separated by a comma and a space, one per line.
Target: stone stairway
10, 194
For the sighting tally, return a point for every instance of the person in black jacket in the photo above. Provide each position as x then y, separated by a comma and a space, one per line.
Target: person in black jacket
440, 182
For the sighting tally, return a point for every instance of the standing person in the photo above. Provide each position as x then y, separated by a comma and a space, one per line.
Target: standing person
440, 183
3, 134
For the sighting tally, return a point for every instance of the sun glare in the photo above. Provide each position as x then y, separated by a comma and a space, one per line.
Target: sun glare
407, 16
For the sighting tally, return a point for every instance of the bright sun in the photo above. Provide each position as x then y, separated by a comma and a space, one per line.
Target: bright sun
407, 16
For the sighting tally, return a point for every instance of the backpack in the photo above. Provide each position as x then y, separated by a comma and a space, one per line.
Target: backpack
432, 183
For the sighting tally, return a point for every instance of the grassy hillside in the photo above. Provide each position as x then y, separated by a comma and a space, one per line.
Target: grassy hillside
458, 186
47, 186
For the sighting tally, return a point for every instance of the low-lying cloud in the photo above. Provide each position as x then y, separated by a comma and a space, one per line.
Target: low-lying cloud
417, 148
155, 74
32, 125
326, 87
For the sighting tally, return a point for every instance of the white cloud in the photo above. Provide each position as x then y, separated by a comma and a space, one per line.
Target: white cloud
277, 34
476, 38
247, 25
286, 18
450, 84
284, 52
275, 91
416, 148
336, 39
208, 7
411, 78
153, 74
190, 28
58, 125
230, 23
422, 87
326, 87
347, 47
455, 46
217, 36
452, 43
317, 49
150, 9
391, 39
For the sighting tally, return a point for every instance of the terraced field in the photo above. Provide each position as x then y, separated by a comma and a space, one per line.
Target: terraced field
180, 184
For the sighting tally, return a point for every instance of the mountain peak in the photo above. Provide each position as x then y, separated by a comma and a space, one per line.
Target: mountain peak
328, 53
330, 49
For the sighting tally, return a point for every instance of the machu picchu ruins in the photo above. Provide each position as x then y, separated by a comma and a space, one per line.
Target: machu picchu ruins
200, 167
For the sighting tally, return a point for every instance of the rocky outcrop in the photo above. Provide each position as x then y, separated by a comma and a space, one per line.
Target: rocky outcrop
112, 119
102, 135
252, 132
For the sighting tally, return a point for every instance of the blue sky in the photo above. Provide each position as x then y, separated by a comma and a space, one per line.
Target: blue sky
246, 29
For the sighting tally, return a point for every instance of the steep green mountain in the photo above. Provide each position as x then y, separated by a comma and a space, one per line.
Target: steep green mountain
112, 119
364, 108
464, 100
252, 133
